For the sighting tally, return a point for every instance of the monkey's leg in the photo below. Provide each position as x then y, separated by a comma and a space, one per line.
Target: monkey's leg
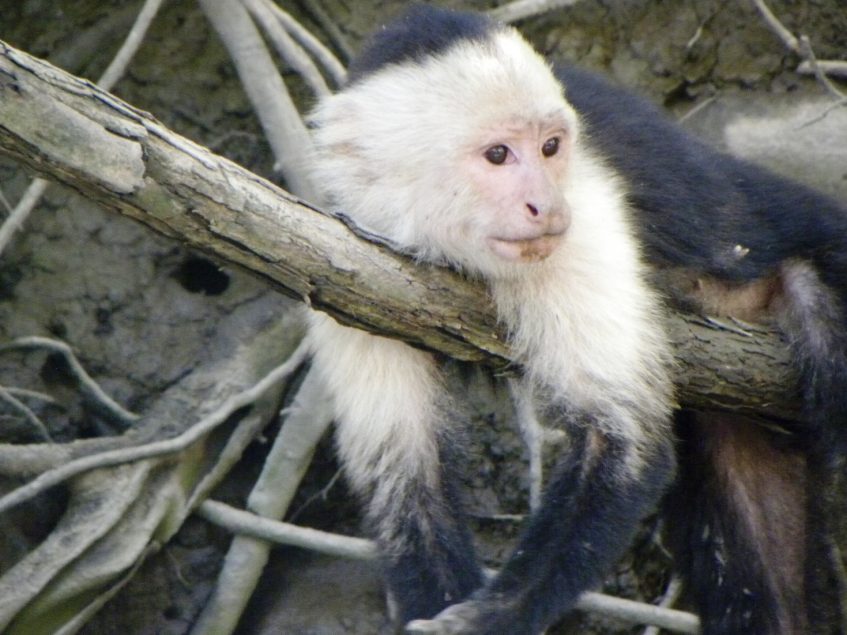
588, 517
390, 412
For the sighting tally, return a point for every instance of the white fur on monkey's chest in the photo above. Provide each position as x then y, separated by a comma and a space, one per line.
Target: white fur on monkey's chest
584, 323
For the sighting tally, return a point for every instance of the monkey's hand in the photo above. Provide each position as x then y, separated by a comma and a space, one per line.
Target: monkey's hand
458, 619
484, 613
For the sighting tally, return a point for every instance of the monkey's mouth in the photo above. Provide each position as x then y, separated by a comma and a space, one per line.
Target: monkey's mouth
526, 249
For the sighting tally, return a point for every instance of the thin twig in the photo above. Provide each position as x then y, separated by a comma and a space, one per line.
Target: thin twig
331, 64
316, 10
534, 436
672, 593
321, 495
22, 211
836, 68
823, 113
278, 532
288, 49
639, 612
802, 47
531, 433
7, 396
812, 60
521, 9
90, 389
156, 448
5, 203
688, 115
34, 394
134, 38
777, 27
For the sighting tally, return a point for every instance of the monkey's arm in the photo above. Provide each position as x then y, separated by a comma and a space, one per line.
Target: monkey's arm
391, 411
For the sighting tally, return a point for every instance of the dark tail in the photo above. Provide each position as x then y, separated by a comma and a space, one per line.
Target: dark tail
815, 320
736, 519
757, 513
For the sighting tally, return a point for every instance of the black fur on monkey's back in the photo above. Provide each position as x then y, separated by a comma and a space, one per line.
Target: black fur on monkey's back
728, 220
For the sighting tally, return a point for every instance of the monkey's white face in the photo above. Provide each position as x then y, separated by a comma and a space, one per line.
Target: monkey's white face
461, 159
517, 173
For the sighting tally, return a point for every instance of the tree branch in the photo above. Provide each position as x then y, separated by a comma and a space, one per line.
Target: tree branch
115, 70
521, 9
802, 46
278, 116
72, 132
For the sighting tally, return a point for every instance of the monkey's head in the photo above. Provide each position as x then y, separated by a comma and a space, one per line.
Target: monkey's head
455, 144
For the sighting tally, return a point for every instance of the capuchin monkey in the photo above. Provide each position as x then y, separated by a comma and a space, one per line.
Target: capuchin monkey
457, 142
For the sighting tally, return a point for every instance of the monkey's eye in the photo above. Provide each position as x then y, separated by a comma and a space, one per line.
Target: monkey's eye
550, 147
497, 154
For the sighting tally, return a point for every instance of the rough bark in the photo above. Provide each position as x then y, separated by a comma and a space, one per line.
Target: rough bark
68, 130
